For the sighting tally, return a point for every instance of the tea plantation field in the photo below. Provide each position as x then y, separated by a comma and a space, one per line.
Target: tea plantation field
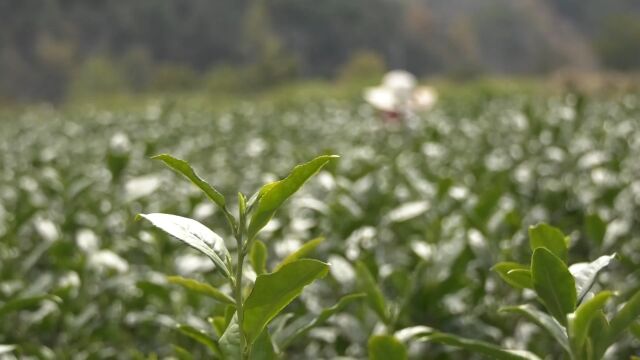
427, 208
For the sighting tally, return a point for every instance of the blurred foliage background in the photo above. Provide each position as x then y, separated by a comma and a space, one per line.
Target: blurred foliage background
60, 49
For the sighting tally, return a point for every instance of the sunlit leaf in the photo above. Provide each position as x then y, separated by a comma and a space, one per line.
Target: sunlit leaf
302, 252
195, 235
276, 194
272, 292
514, 274
585, 274
258, 257
579, 321
199, 336
26, 303
544, 321
368, 285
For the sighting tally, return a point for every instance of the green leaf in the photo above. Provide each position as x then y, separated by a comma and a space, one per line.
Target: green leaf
585, 274
598, 330
545, 236
263, 348
280, 191
476, 346
199, 336
595, 228
195, 235
623, 319
375, 299
182, 167
553, 283
635, 329
272, 292
26, 303
219, 324
258, 257
544, 321
202, 288
514, 274
303, 251
181, 353
324, 315
386, 347
579, 321
230, 341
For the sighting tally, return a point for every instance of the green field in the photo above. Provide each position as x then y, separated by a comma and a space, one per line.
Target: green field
428, 207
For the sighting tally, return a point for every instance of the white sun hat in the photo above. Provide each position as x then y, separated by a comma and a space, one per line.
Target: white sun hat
398, 93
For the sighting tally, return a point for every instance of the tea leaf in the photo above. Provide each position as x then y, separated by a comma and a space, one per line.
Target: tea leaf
258, 257
480, 347
26, 303
202, 288
514, 274
303, 251
199, 336
183, 167
263, 348
585, 274
230, 341
580, 320
280, 191
375, 299
545, 236
195, 235
386, 347
544, 321
553, 283
623, 319
272, 292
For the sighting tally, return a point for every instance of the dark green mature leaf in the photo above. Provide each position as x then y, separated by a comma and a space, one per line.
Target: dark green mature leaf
303, 251
579, 321
263, 348
386, 347
545, 236
202, 288
272, 292
320, 319
199, 336
481, 347
230, 341
553, 283
635, 329
595, 228
280, 191
623, 319
195, 235
26, 303
182, 167
258, 257
514, 274
544, 321
368, 285
585, 274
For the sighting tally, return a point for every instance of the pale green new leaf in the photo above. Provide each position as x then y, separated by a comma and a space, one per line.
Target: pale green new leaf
514, 274
544, 321
368, 285
182, 167
585, 274
302, 252
195, 235
258, 257
278, 192
579, 321
553, 283
551, 238
202, 288
386, 347
272, 292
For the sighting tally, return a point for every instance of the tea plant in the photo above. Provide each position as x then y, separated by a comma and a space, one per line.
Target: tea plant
243, 332
575, 314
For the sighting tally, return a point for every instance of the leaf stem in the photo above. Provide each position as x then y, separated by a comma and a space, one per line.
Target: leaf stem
239, 231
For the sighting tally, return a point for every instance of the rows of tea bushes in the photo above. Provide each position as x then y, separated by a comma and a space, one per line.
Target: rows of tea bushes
421, 212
